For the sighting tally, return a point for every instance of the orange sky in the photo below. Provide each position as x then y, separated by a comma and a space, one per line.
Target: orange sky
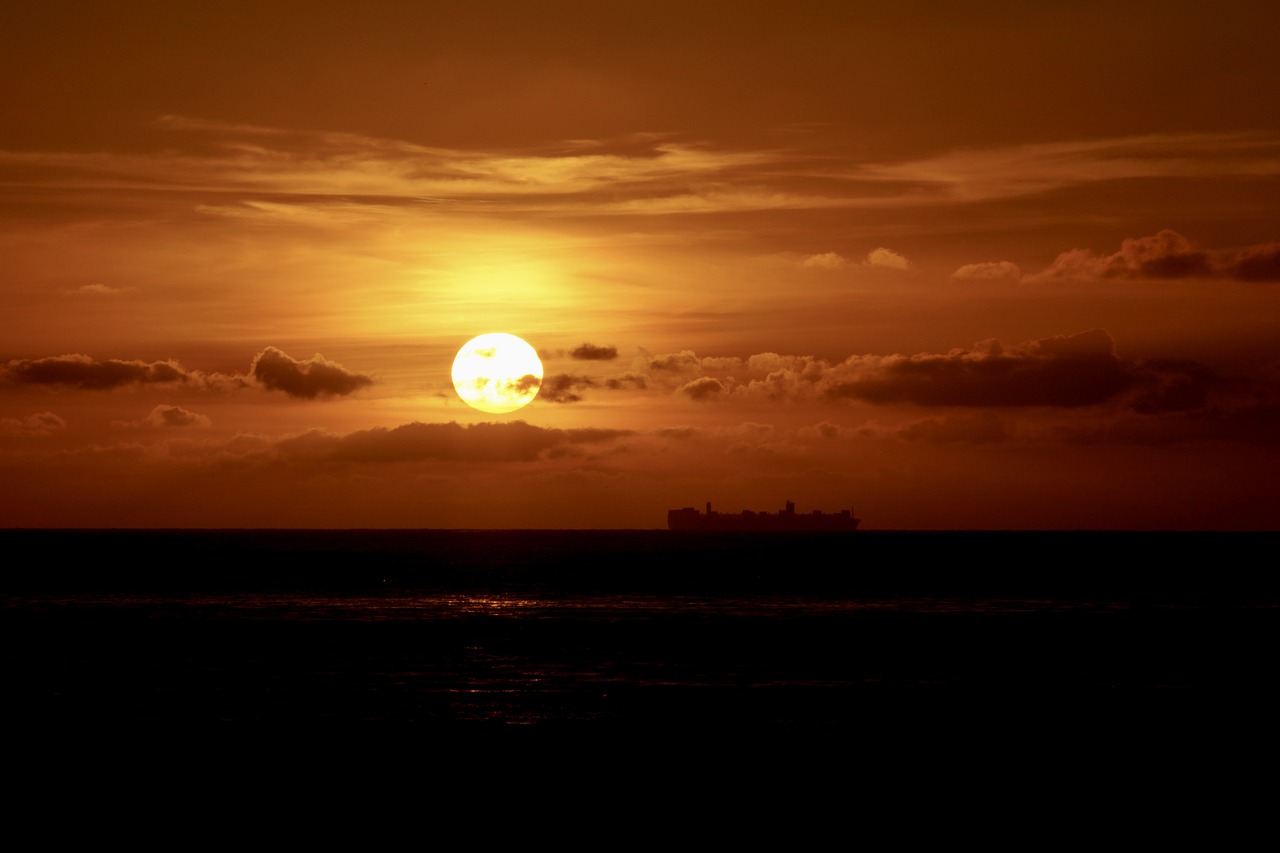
968, 265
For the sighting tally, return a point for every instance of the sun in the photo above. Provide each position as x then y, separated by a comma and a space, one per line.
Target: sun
497, 373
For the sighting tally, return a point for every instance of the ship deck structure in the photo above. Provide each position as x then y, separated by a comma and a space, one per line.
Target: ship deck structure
786, 519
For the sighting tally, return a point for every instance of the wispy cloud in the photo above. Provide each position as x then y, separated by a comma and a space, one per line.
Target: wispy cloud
240, 159
1021, 170
101, 290
483, 442
168, 417
997, 270
878, 258
654, 175
39, 424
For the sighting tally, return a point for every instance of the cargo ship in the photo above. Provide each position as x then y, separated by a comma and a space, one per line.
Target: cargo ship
786, 519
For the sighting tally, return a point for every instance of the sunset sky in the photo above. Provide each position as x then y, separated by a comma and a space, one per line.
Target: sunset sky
951, 265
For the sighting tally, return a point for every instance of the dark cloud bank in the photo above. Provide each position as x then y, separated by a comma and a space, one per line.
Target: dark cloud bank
516, 441
1073, 370
81, 371
564, 388
569, 388
1063, 371
1164, 255
1170, 255
591, 352
315, 377
271, 369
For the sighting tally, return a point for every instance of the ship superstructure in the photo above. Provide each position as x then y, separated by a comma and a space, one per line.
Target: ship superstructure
787, 519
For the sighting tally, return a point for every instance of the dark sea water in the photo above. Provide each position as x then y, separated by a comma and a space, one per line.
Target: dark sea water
849, 636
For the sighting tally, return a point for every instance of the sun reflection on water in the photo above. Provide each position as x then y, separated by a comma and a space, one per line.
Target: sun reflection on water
487, 603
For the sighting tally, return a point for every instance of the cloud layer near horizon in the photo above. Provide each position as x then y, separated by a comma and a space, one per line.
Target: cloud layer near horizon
271, 369
1061, 371
1164, 255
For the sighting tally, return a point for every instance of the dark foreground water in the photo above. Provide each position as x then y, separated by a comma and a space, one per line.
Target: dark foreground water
853, 636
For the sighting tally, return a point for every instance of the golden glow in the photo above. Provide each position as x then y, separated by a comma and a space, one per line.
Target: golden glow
497, 373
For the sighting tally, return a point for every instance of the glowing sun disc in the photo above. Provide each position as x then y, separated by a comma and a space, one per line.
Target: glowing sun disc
497, 373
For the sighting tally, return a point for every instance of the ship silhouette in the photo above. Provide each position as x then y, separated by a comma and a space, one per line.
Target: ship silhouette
787, 519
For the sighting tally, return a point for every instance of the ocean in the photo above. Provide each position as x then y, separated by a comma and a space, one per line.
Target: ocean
1078, 634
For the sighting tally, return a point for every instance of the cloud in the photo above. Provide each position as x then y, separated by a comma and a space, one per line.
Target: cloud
515, 441
978, 175
1172, 385
997, 270
315, 377
523, 386
254, 161
1062, 371
564, 388
1250, 421
685, 361
825, 261
39, 424
753, 430
703, 389
591, 352
1072, 370
824, 431
879, 258
626, 380
887, 259
1167, 255
81, 371
718, 362
309, 172
1256, 263
166, 417
102, 290
270, 369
